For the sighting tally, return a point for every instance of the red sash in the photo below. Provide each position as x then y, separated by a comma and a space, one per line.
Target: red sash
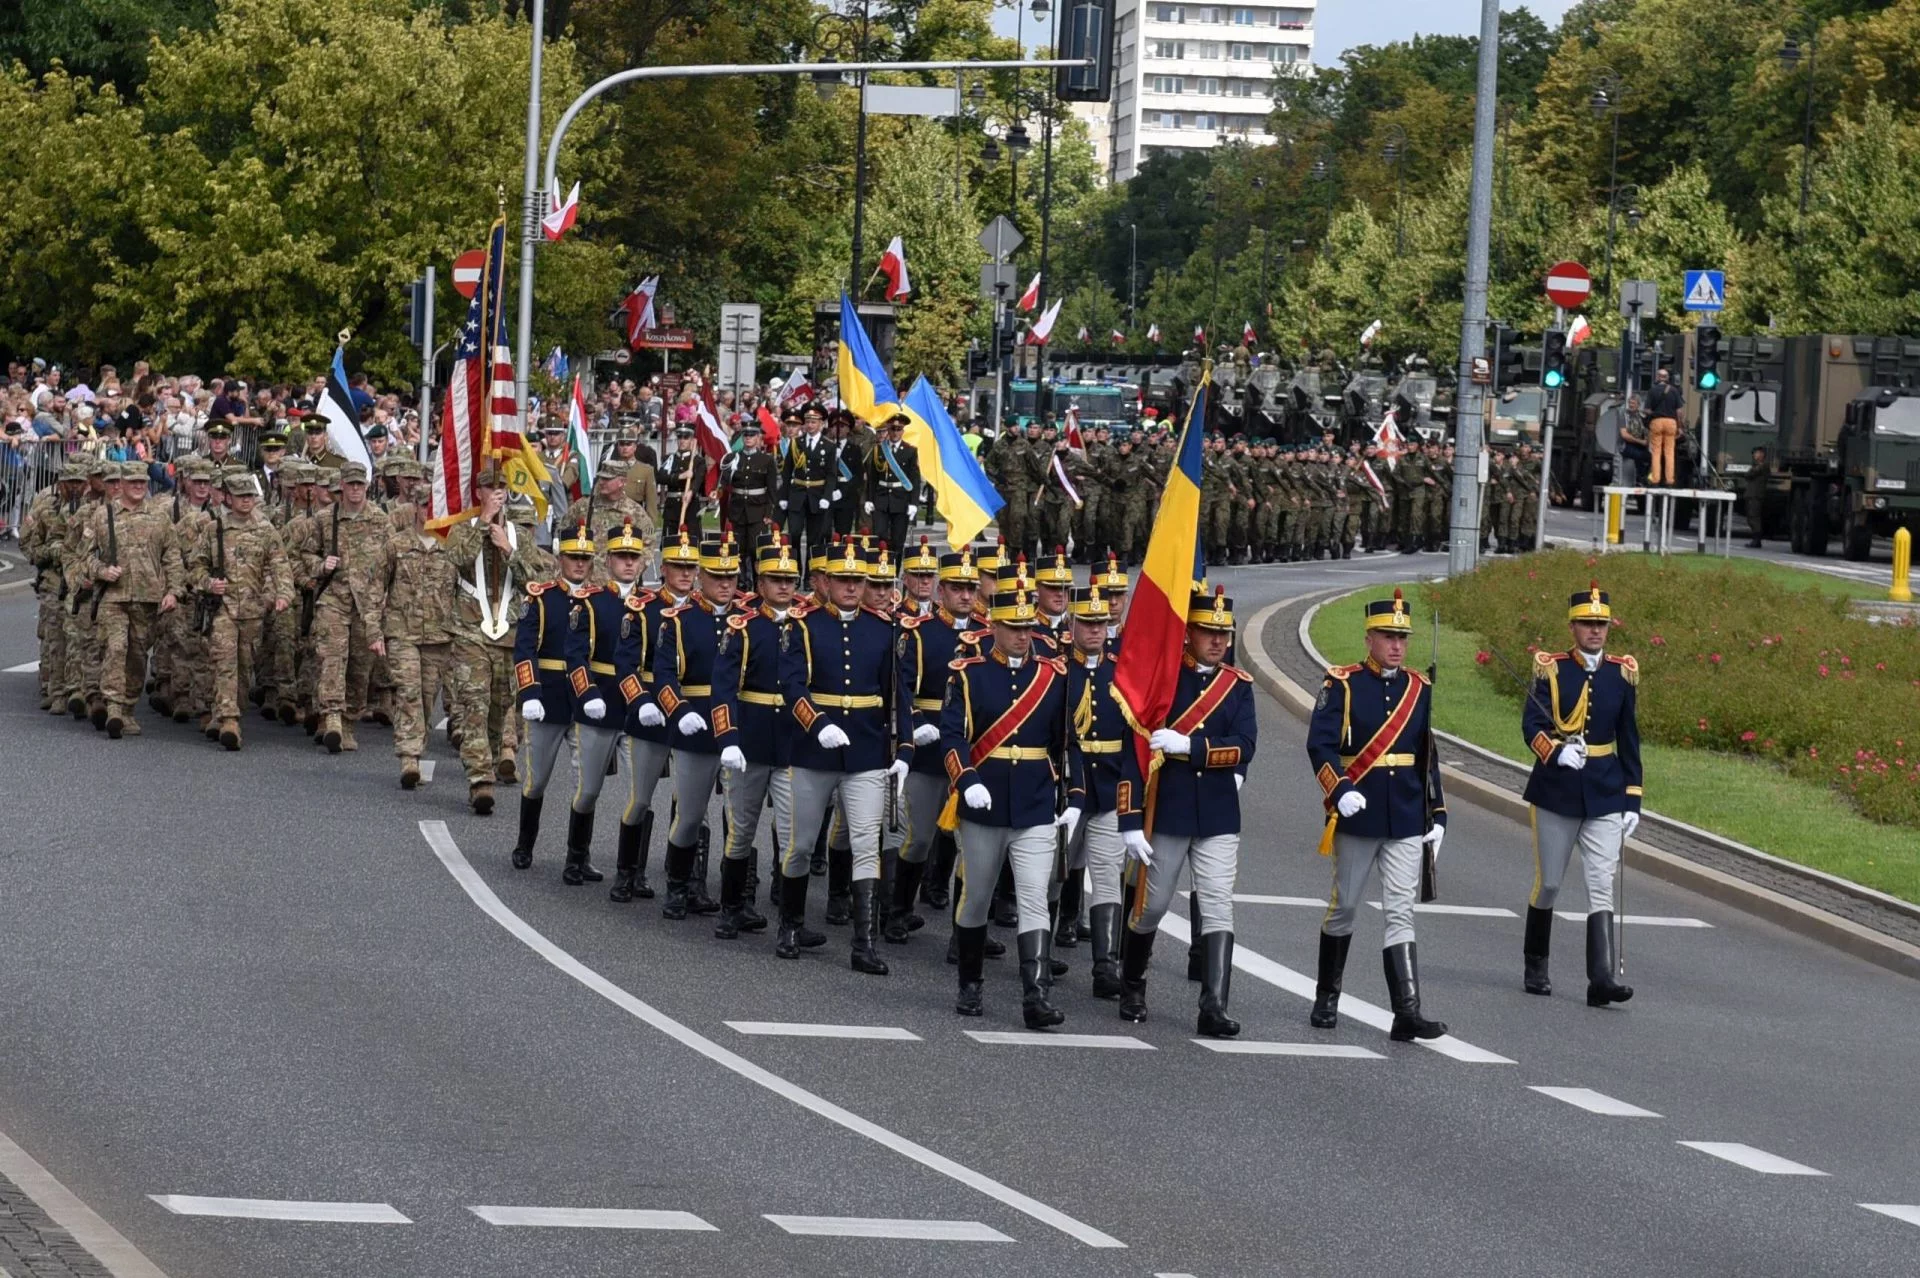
1018, 713
1206, 703
1377, 746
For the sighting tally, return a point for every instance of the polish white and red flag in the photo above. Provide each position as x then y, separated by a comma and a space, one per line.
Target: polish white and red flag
1578, 331
1247, 334
1199, 334
559, 218
1030, 298
1086, 335
1043, 327
1153, 334
1119, 338
634, 316
893, 265
797, 390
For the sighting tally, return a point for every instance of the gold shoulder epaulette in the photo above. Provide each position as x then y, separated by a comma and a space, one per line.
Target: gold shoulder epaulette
537, 588
738, 621
881, 613
1629, 669
678, 608
638, 601
1341, 672
1240, 674
909, 622
961, 663
1544, 661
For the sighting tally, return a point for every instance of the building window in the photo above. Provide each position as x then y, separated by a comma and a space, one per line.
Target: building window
1284, 54
1169, 48
1169, 120
1240, 52
1210, 87
1243, 17
1293, 19
1170, 13
1240, 88
1206, 121
1209, 51
1169, 84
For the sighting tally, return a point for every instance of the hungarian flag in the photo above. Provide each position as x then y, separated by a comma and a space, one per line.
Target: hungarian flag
579, 446
1030, 298
893, 265
560, 218
1578, 331
1043, 327
634, 315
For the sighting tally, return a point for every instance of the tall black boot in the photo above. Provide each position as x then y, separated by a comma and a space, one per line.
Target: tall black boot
752, 888
1538, 945
642, 890
530, 806
1326, 992
627, 864
839, 886
698, 902
1216, 985
1136, 951
679, 868
1106, 950
1066, 933
1402, 964
1034, 1007
794, 934
933, 889
906, 883
863, 958
1196, 957
733, 877
1602, 989
971, 952
579, 842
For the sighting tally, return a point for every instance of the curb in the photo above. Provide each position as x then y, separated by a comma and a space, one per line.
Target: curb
1796, 916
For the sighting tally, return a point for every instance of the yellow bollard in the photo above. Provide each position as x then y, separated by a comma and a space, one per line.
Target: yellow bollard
1902, 562
1616, 504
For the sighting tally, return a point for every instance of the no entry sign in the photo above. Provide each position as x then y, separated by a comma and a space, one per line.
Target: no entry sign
1568, 284
466, 272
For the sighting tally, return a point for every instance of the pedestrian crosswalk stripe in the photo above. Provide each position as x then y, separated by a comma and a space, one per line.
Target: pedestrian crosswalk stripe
787, 1029
878, 1227
1638, 920
1594, 1102
31, 667
1126, 1041
592, 1218
1250, 898
281, 1209
1899, 1211
1471, 911
1752, 1159
1250, 1047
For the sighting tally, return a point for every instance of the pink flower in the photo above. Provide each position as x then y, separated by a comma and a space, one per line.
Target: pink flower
1703, 725
1657, 641
1748, 735
1880, 665
1823, 672
1715, 658
1482, 657
1813, 752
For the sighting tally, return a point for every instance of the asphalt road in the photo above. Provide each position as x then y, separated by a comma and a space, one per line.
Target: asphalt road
276, 976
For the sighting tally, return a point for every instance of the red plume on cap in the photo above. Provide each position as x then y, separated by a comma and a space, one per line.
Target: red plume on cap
1220, 591
923, 539
1592, 584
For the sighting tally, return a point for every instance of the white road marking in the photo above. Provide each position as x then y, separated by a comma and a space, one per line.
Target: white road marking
426, 771
1250, 1047
31, 667
1752, 1159
442, 725
1899, 1211
1639, 920
120, 1257
1472, 911
1594, 1102
1280, 976
790, 1029
591, 1218
1250, 898
281, 1209
483, 896
875, 1227
1022, 1037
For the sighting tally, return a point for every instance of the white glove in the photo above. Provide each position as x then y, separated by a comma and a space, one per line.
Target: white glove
832, 737
1239, 779
1630, 821
783, 503
867, 506
691, 723
825, 504
836, 494
1573, 755
1436, 836
733, 760
1139, 847
912, 510
1068, 821
1170, 742
1351, 802
897, 774
594, 708
650, 716
926, 734
533, 711
977, 797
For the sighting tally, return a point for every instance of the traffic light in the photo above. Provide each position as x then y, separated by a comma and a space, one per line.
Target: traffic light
979, 364
1706, 357
1507, 361
417, 312
1004, 342
1553, 359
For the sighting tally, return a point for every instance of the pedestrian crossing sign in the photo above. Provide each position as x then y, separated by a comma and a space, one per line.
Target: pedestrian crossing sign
1705, 291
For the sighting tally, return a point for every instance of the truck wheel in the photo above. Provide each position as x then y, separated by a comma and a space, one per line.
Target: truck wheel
1816, 531
1797, 523
1856, 542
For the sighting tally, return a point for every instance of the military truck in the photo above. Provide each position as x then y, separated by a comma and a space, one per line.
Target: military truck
1746, 416
1417, 407
1850, 440
1363, 403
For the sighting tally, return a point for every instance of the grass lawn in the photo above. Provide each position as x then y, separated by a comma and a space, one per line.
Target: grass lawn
1750, 800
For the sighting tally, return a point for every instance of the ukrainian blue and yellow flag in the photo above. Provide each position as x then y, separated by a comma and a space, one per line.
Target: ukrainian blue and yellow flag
865, 390
962, 494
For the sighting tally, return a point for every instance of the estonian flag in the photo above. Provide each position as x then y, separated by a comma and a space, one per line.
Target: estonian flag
343, 419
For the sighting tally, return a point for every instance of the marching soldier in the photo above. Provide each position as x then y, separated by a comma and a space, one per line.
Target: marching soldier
1580, 723
848, 474
1103, 736
42, 537
419, 631
317, 451
1053, 590
1008, 753
1206, 746
345, 561
1056, 505
603, 672
893, 484
751, 477
806, 487
134, 556
1370, 745
241, 563
542, 641
683, 480
919, 576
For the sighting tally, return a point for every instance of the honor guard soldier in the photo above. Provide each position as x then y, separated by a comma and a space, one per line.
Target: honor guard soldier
751, 477
1111, 581
1370, 745
806, 495
1010, 760
1580, 723
649, 740
847, 480
933, 643
1104, 737
919, 578
849, 693
754, 733
603, 669
683, 479
683, 659
893, 483
1053, 582
540, 678
959, 587
1206, 746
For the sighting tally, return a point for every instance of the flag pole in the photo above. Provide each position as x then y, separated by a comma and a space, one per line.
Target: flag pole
530, 210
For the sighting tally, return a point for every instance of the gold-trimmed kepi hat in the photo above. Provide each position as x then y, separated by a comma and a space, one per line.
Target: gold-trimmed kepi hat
1210, 612
1055, 571
1013, 608
1111, 578
776, 559
844, 561
959, 565
921, 560
880, 565
682, 552
992, 557
580, 543
1590, 604
625, 542
719, 555
1390, 615
1090, 605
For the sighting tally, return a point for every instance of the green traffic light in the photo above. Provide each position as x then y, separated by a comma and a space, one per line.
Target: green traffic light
1553, 379
1709, 380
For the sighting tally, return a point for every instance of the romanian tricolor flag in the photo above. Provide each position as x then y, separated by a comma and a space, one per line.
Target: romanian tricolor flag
962, 494
865, 390
1148, 666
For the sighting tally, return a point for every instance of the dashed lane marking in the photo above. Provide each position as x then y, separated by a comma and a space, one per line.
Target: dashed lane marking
1752, 1159
789, 1029
1024, 1038
1639, 920
1470, 911
441, 841
591, 1218
1251, 898
426, 771
875, 1227
1251, 1047
31, 667
1594, 1102
281, 1209
1899, 1211
1280, 976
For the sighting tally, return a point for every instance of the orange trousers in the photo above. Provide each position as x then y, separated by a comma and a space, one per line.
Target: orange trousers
1662, 432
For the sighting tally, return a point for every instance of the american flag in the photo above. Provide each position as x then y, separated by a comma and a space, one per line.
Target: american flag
479, 395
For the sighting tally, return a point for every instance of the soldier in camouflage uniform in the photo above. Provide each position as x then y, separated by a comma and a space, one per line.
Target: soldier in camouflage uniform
419, 631
613, 507
1056, 510
1240, 500
1527, 514
179, 654
82, 688
238, 559
42, 536
344, 561
1216, 506
132, 551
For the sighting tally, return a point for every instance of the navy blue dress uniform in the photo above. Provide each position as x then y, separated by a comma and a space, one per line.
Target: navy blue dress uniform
1055, 574
1112, 581
1007, 746
683, 658
843, 678
806, 488
892, 484
1370, 744
1196, 819
603, 672
1105, 741
540, 677
1581, 723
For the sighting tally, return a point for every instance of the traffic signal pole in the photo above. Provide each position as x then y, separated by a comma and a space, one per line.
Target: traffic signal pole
1463, 528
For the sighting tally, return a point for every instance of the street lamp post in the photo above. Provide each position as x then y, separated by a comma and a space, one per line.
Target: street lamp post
1046, 10
1789, 59
1608, 91
1395, 153
1323, 172
833, 34
1133, 258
